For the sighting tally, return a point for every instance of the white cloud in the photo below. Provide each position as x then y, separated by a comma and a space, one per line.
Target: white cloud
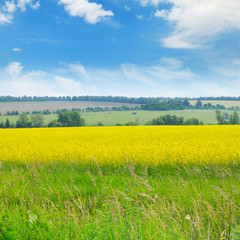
169, 78
161, 13
127, 8
16, 49
140, 17
78, 68
5, 18
9, 7
229, 68
167, 69
150, 2
134, 73
198, 22
89, 11
22, 4
35, 5
68, 84
171, 63
15, 82
73, 87
14, 69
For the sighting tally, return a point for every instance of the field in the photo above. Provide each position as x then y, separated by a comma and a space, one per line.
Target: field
123, 117
152, 145
120, 183
53, 106
215, 102
110, 118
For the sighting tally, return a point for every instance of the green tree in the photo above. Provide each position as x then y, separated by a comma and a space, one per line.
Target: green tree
220, 118
46, 112
7, 124
23, 121
234, 118
100, 124
37, 120
192, 121
198, 104
157, 121
71, 119
186, 103
53, 123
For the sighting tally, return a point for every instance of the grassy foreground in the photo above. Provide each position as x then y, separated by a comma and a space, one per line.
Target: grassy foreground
74, 201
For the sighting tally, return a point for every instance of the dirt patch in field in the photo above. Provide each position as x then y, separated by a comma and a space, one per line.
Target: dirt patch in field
54, 106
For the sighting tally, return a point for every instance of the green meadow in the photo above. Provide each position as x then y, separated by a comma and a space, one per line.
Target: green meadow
74, 201
123, 117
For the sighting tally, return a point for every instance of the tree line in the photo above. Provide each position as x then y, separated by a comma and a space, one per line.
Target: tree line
88, 109
65, 119
225, 118
222, 119
179, 105
173, 120
222, 98
120, 99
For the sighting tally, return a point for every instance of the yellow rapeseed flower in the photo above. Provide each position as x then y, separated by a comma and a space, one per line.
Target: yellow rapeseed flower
152, 145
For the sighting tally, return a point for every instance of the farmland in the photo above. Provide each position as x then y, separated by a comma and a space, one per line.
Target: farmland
111, 118
152, 145
123, 117
53, 106
120, 183
215, 102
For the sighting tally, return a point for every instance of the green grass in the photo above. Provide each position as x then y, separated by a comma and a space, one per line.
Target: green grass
122, 117
207, 116
73, 201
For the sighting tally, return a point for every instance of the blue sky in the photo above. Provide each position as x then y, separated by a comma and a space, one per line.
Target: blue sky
169, 48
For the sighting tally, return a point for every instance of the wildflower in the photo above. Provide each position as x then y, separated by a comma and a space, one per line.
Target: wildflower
32, 218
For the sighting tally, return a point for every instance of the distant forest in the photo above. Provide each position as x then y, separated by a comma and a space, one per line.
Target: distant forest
141, 100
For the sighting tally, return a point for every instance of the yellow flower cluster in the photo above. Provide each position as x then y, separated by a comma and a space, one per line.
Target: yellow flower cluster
152, 145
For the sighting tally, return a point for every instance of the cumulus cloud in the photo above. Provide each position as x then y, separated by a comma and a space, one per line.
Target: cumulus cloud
91, 12
169, 77
9, 7
22, 4
16, 82
35, 5
197, 22
14, 69
5, 18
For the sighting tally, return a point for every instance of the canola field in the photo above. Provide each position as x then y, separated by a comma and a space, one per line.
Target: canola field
151, 145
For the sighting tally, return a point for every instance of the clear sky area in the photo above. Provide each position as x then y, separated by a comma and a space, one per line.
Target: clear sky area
167, 48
